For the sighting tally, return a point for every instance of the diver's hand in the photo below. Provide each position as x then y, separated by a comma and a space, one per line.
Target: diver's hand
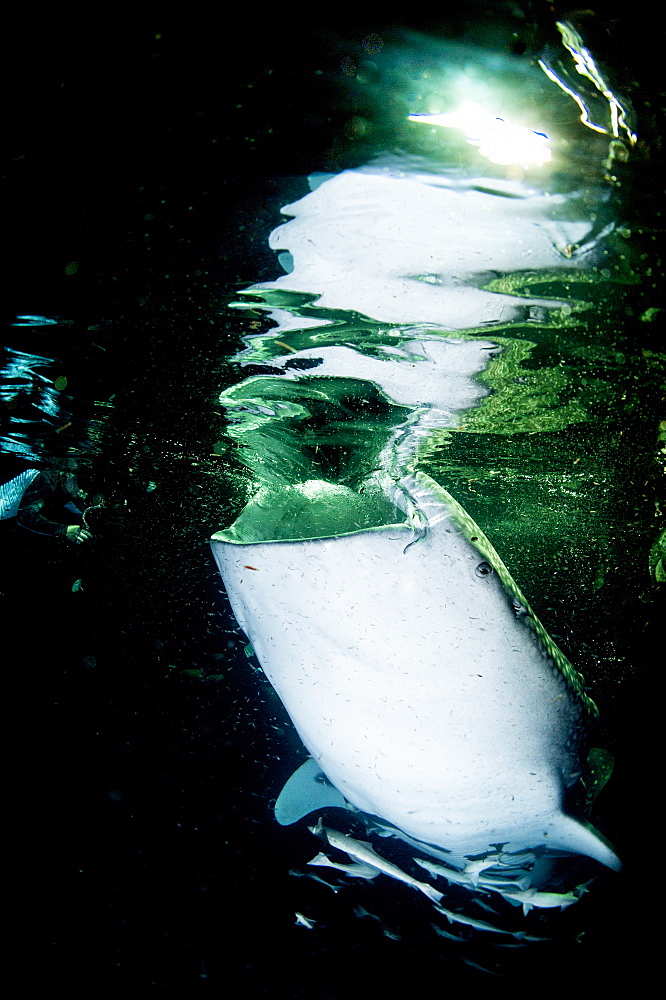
75, 533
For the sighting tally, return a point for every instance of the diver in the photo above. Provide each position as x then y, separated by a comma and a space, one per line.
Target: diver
48, 489
54, 505
44, 523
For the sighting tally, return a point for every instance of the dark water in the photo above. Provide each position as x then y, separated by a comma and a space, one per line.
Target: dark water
144, 176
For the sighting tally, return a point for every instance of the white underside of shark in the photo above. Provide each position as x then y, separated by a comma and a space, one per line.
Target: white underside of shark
419, 680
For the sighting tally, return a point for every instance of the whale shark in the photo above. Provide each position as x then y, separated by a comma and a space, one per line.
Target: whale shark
418, 677
433, 704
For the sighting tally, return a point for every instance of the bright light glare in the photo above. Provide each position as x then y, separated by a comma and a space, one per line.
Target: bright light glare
586, 67
498, 140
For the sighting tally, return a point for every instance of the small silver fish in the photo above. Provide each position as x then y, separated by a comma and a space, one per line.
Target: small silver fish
364, 853
357, 869
315, 878
531, 898
458, 878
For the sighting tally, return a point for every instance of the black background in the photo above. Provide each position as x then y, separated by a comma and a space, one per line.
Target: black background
155, 153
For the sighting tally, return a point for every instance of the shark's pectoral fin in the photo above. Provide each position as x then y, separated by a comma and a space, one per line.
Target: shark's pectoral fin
306, 791
580, 837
